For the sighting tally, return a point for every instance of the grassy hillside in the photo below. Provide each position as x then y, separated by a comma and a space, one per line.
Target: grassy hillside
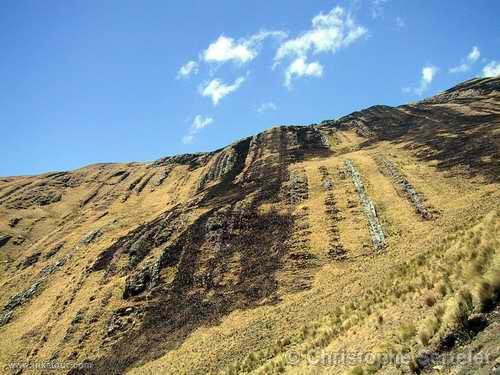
374, 233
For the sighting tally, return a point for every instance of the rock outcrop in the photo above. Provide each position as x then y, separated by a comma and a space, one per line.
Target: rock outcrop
376, 231
387, 167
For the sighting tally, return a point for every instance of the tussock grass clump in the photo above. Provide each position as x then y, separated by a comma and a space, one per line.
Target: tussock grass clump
487, 287
428, 329
443, 288
458, 310
486, 295
407, 331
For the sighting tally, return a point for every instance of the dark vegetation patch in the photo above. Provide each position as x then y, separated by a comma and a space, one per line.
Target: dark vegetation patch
203, 295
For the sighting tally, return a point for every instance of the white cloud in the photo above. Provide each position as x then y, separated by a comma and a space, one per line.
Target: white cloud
428, 74
216, 89
300, 68
191, 67
227, 49
492, 69
471, 58
474, 55
269, 106
199, 122
329, 32
400, 22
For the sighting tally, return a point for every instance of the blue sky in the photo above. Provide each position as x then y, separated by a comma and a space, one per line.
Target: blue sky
112, 81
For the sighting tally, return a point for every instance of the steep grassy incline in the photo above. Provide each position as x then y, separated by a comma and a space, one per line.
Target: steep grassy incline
374, 232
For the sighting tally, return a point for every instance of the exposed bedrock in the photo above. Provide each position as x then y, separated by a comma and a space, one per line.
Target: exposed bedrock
374, 225
388, 168
224, 162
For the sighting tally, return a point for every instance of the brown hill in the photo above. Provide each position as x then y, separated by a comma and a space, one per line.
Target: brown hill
349, 234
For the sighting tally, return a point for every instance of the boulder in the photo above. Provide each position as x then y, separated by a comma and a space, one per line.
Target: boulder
5, 317
4, 238
91, 237
30, 260
137, 284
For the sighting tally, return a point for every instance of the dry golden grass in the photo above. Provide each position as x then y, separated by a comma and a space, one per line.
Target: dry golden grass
404, 299
353, 304
47, 314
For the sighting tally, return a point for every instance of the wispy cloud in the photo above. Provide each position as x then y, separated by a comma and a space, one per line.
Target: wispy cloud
329, 32
216, 89
199, 122
377, 8
467, 62
492, 69
266, 107
191, 67
426, 78
474, 55
400, 22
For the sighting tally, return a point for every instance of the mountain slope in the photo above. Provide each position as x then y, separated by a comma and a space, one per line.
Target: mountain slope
233, 259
